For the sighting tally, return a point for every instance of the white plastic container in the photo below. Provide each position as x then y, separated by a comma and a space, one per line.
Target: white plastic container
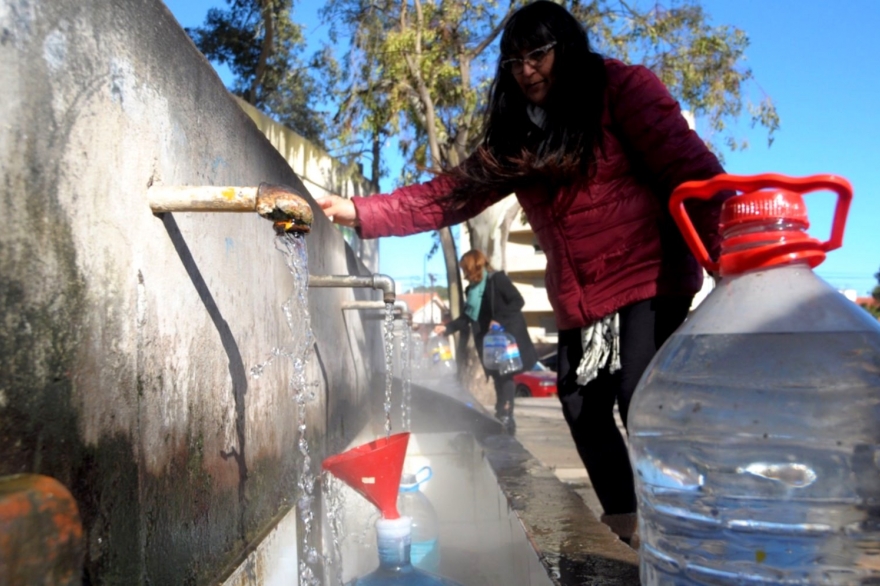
755, 431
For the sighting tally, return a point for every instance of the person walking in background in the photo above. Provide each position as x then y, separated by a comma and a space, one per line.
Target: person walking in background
592, 148
493, 299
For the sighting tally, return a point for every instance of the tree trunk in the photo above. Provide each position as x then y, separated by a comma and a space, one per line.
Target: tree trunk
453, 280
504, 232
489, 230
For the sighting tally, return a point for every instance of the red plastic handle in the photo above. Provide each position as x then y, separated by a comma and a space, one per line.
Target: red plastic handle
748, 183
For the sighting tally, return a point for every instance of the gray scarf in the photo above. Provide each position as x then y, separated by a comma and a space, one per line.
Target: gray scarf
601, 343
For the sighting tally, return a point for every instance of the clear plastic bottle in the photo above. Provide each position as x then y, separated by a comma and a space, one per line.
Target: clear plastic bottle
412, 503
755, 431
500, 351
510, 360
395, 569
441, 353
494, 345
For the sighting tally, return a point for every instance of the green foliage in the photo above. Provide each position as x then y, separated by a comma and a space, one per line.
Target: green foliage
874, 309
416, 69
875, 293
701, 64
263, 49
421, 69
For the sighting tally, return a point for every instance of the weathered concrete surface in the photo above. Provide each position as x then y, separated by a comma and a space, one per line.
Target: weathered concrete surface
127, 338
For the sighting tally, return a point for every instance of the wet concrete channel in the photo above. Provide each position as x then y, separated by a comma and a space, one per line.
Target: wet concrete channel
542, 479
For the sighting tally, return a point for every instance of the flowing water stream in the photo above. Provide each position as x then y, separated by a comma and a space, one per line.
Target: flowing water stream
296, 313
334, 507
301, 348
388, 336
405, 374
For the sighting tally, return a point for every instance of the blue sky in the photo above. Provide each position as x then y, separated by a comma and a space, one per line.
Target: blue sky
819, 60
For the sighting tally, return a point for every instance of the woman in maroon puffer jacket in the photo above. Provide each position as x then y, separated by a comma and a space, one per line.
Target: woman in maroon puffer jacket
592, 148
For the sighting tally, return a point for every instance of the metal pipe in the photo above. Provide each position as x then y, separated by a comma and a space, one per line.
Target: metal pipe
403, 307
400, 311
283, 205
375, 281
400, 307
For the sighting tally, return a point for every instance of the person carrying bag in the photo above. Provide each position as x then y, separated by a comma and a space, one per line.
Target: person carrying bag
493, 299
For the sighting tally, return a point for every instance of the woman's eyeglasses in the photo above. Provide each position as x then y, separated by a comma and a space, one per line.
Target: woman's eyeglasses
533, 58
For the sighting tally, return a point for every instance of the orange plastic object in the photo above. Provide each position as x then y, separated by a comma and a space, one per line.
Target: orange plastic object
373, 470
41, 535
762, 197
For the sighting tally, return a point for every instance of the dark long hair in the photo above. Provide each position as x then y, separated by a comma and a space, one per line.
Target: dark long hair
514, 151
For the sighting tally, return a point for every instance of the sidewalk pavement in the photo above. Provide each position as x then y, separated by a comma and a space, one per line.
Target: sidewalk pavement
542, 431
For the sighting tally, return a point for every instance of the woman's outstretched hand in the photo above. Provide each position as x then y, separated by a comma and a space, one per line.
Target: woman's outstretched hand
339, 210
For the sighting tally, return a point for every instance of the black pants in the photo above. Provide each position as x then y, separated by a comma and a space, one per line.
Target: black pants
505, 389
589, 409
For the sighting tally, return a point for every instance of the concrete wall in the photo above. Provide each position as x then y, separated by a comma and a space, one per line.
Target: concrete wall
126, 338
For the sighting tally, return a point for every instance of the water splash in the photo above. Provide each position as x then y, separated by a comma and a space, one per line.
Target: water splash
406, 374
334, 506
417, 353
296, 314
257, 370
388, 336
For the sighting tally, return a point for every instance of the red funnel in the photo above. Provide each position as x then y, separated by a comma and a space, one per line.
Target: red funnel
373, 470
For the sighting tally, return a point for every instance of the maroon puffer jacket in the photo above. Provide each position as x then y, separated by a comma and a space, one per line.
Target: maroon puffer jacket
609, 241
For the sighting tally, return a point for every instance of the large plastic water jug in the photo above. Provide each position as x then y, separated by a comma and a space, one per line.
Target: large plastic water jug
412, 503
494, 345
395, 567
510, 360
502, 352
755, 430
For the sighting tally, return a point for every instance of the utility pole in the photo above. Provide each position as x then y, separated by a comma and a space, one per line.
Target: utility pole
432, 278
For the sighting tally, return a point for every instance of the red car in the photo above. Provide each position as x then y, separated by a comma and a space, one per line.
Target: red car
538, 382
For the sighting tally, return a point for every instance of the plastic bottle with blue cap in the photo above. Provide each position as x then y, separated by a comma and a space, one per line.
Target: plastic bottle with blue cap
500, 351
374, 470
412, 502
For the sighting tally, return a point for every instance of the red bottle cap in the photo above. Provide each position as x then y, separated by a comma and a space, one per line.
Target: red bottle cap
766, 224
761, 206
